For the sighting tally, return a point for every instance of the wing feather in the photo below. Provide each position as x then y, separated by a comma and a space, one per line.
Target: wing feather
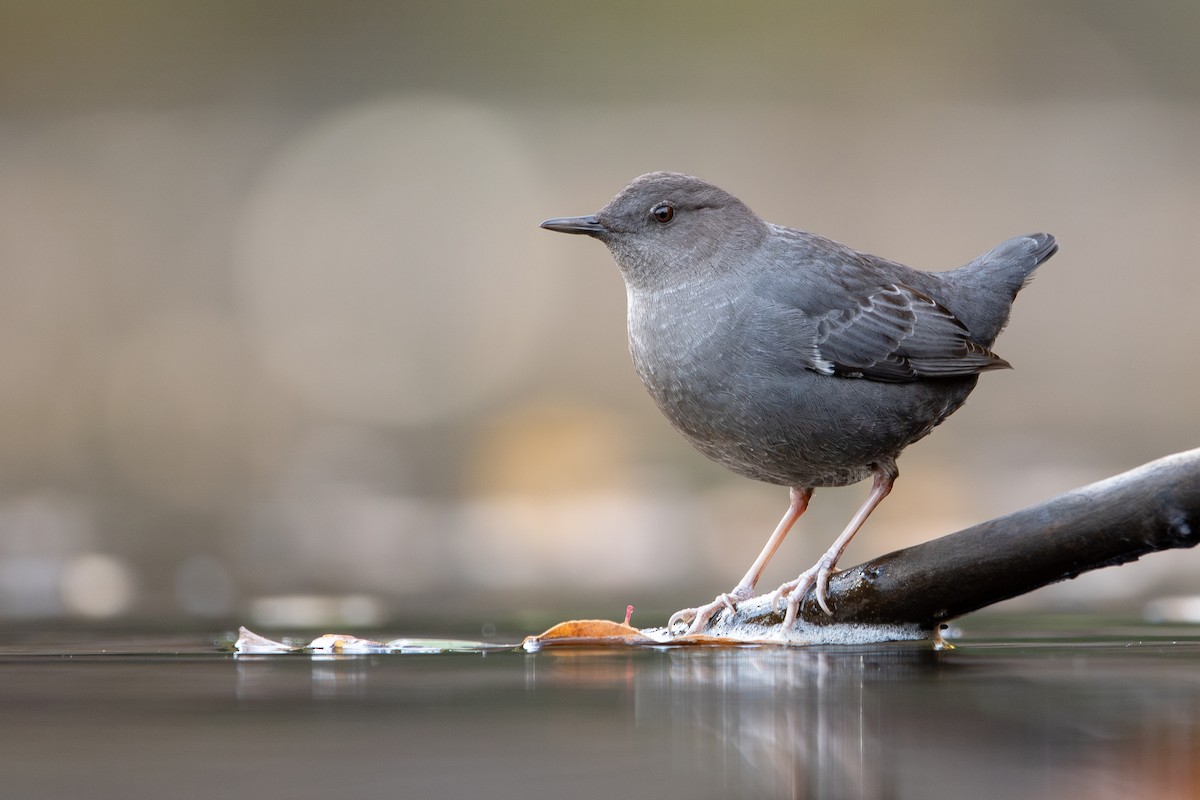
898, 333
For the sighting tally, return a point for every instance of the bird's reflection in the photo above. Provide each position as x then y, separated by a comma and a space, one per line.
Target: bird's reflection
790, 723
793, 717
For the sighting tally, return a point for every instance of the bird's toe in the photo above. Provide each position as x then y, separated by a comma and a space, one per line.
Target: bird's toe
784, 590
697, 619
683, 617
822, 589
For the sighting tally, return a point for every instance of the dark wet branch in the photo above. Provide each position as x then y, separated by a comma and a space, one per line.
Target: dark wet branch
1151, 508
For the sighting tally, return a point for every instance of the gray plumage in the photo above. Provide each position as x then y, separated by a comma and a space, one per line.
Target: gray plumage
786, 356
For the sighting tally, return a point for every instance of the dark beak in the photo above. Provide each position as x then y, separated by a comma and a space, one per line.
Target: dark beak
589, 225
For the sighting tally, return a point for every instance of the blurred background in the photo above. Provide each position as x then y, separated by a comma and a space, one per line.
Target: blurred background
281, 341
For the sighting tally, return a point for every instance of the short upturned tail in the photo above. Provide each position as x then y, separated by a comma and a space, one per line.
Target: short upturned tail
1012, 264
995, 278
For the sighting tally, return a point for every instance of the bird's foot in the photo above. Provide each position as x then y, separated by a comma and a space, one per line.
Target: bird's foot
697, 619
796, 590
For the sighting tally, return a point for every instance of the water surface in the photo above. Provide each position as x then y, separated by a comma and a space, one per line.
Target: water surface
1002, 715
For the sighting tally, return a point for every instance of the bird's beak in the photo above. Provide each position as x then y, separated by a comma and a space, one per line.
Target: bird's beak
589, 225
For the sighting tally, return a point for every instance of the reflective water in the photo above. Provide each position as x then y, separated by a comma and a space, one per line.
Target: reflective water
999, 716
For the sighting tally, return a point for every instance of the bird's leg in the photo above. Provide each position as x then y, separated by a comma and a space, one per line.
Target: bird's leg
885, 476
698, 618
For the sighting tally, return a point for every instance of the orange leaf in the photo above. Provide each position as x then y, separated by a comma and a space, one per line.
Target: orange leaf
588, 632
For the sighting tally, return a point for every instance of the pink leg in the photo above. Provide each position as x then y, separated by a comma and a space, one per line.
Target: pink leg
699, 617
885, 476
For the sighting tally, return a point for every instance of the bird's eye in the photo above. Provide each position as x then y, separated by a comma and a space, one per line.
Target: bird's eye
663, 212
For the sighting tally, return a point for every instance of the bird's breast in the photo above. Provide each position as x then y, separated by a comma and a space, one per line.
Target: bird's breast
692, 359
681, 343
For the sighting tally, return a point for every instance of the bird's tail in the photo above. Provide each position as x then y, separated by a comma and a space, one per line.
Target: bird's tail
1010, 265
995, 277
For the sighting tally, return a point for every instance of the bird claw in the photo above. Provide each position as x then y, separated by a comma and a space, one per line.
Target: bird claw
795, 591
697, 619
783, 591
822, 590
684, 616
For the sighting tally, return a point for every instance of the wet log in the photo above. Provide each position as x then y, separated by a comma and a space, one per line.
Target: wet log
1151, 508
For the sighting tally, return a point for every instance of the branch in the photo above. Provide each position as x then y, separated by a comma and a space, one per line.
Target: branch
1154, 507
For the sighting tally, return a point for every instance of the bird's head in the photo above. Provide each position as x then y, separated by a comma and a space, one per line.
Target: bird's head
665, 229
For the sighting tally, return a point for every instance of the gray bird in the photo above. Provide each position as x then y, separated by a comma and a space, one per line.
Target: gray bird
791, 358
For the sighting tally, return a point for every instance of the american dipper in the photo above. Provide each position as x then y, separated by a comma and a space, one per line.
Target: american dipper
791, 358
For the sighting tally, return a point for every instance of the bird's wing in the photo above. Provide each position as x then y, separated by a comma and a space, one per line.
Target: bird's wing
897, 333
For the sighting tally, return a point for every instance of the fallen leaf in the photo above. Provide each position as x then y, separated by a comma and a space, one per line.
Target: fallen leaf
588, 632
250, 642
